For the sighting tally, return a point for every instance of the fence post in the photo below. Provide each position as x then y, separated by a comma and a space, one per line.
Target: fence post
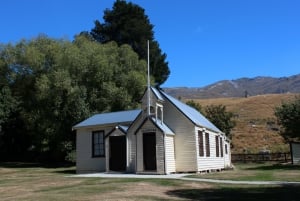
243, 157
285, 160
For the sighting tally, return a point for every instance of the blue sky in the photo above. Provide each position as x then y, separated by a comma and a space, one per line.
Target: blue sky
205, 40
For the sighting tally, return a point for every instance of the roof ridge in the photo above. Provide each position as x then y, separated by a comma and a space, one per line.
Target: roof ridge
117, 111
157, 93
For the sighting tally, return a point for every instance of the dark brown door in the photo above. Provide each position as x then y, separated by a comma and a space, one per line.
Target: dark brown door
149, 151
117, 159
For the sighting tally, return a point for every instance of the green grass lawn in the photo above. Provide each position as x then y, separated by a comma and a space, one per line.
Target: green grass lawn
23, 181
257, 172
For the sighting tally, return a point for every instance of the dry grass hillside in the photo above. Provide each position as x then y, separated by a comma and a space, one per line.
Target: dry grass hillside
256, 127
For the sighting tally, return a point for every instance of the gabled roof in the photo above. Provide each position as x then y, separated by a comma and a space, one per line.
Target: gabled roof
160, 125
196, 117
109, 118
123, 129
157, 94
129, 116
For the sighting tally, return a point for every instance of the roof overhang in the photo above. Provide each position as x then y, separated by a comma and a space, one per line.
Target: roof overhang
101, 125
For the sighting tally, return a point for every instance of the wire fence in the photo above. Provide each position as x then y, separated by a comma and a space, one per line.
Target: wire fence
279, 157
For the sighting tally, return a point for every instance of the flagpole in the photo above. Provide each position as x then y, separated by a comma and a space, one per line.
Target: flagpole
148, 79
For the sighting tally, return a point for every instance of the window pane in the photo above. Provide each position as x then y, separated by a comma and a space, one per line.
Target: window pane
207, 144
100, 140
221, 146
98, 143
200, 142
95, 137
217, 146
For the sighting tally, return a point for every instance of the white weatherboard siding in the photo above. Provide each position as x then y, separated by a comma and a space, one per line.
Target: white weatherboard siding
139, 153
149, 127
131, 151
228, 155
160, 152
132, 146
170, 154
210, 162
296, 153
84, 160
116, 132
136, 155
107, 154
177, 148
185, 145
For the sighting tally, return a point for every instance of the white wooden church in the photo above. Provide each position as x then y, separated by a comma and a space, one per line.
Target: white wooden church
164, 136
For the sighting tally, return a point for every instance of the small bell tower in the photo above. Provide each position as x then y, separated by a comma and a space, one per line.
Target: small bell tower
152, 102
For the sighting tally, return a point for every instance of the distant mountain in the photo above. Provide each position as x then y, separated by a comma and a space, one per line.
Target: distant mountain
240, 88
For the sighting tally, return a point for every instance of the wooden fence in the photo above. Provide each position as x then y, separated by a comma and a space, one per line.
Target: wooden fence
279, 157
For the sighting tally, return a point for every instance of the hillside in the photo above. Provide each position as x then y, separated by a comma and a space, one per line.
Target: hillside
256, 127
240, 88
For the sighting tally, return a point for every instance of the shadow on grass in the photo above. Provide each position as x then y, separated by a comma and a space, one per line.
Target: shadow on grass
34, 165
67, 171
280, 193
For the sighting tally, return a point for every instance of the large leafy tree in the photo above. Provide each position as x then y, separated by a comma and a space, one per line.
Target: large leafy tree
16, 140
220, 117
127, 23
288, 116
7, 102
195, 105
48, 85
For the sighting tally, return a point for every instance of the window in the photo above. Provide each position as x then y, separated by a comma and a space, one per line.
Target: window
221, 146
200, 143
98, 144
159, 112
207, 145
226, 149
217, 146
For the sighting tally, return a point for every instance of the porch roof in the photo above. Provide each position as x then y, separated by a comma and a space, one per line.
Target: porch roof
109, 118
162, 126
123, 128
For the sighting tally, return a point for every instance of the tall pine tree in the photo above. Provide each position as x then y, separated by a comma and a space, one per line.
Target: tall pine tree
127, 23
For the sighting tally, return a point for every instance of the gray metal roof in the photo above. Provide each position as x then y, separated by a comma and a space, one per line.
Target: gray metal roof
163, 127
157, 94
129, 116
123, 128
109, 118
195, 116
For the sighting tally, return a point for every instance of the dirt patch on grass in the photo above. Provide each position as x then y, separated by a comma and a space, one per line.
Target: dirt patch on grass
5, 171
46, 184
288, 175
